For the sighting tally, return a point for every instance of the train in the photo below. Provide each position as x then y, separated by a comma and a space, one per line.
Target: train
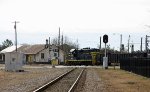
94, 56
85, 56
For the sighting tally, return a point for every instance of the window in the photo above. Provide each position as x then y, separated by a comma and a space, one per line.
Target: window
55, 50
55, 54
42, 55
0, 57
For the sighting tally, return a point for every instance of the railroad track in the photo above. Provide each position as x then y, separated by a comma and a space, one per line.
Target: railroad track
66, 82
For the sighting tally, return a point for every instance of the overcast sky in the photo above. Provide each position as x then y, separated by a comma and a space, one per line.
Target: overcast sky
85, 20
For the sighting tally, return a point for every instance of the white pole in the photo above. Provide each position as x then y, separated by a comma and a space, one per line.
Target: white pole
105, 60
105, 49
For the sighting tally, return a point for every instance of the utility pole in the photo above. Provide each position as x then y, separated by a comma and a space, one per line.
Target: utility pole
49, 44
15, 27
146, 44
100, 44
141, 44
49, 41
59, 37
128, 43
58, 44
62, 42
120, 43
77, 45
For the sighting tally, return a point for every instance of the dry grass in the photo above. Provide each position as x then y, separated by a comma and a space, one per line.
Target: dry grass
122, 81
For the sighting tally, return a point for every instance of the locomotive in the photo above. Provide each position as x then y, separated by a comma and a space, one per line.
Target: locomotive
85, 56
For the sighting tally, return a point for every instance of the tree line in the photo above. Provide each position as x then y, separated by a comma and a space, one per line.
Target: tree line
6, 43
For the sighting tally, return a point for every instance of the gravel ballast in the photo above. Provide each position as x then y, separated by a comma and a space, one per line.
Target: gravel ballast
90, 82
28, 80
64, 84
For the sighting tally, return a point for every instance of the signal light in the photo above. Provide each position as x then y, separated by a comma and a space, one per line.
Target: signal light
105, 38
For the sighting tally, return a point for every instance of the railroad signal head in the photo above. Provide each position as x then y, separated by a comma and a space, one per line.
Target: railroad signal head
105, 38
122, 47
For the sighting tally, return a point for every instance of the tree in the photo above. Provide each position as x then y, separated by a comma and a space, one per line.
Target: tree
1, 47
54, 41
66, 44
6, 43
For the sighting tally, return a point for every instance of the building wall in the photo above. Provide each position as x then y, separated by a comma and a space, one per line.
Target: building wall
49, 55
53, 52
44, 58
61, 56
14, 61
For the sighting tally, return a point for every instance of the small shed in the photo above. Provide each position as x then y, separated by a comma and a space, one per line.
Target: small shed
14, 61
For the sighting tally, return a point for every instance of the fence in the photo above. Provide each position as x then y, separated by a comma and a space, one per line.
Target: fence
139, 66
116, 57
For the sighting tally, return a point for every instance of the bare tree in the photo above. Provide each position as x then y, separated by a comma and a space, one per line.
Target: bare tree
66, 44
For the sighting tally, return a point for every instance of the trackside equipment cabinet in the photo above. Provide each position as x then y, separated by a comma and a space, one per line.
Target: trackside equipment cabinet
14, 61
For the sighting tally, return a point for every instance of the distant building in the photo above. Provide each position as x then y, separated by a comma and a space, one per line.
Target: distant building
8, 49
37, 53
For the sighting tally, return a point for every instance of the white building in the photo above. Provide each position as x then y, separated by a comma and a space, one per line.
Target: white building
39, 53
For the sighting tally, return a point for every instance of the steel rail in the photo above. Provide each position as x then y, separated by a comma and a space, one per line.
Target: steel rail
72, 88
45, 86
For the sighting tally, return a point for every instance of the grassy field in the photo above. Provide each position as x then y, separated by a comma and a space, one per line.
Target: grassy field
123, 81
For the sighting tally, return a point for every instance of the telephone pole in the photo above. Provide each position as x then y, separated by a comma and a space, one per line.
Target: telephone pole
100, 44
146, 43
62, 42
141, 44
77, 45
120, 43
128, 43
59, 37
59, 45
49, 41
15, 27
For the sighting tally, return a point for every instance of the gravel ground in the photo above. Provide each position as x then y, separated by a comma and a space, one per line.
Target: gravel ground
28, 80
65, 83
90, 82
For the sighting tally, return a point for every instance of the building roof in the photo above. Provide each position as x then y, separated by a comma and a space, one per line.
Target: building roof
31, 49
27, 49
10, 49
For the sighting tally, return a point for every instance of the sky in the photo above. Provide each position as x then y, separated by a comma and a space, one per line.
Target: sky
85, 20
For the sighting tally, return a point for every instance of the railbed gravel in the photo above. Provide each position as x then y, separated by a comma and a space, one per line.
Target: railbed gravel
65, 83
90, 82
28, 80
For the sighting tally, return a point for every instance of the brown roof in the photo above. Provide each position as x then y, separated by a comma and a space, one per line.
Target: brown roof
31, 49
